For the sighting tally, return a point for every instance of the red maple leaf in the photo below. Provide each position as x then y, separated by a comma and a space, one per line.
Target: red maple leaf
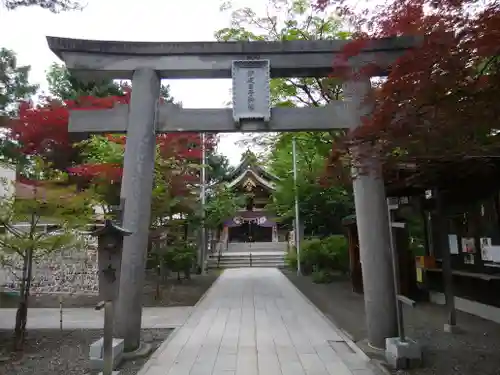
43, 130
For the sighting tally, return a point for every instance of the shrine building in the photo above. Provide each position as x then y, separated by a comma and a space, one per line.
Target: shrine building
253, 223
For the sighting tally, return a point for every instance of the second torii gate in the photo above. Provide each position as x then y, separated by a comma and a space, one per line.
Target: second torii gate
251, 65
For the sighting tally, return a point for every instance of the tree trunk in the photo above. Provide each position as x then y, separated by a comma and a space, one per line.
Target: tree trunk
187, 273
158, 276
22, 310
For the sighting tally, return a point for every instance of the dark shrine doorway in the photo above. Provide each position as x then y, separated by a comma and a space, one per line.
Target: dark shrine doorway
250, 232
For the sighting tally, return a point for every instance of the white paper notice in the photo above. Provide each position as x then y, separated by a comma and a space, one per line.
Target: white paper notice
468, 245
494, 254
486, 253
453, 243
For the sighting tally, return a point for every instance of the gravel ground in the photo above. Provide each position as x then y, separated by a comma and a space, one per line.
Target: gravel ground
172, 293
476, 350
52, 352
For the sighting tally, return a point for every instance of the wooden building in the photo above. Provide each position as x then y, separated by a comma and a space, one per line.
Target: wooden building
458, 202
253, 223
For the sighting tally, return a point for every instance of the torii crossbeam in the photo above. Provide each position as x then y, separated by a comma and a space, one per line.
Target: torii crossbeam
172, 118
297, 58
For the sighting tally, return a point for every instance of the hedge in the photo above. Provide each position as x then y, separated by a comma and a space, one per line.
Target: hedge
321, 257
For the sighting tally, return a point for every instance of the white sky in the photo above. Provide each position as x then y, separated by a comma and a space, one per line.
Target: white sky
24, 31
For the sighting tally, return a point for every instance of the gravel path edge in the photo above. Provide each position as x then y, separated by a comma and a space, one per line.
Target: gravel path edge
376, 365
157, 352
170, 337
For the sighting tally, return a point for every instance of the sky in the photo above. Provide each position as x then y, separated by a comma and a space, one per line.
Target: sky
25, 30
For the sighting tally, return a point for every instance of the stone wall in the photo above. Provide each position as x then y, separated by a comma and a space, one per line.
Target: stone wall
72, 271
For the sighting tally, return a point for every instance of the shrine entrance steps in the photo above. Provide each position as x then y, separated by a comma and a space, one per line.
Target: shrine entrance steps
254, 254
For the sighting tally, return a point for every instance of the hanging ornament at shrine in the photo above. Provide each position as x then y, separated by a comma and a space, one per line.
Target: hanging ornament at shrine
249, 184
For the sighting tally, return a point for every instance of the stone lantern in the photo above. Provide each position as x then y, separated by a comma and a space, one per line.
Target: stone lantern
107, 352
109, 255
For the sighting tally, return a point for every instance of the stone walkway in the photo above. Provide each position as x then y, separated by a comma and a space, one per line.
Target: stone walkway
255, 322
77, 318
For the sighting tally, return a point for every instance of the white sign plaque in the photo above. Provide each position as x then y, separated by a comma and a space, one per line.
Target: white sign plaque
251, 100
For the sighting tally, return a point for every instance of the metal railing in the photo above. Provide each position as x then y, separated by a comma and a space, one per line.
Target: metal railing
222, 245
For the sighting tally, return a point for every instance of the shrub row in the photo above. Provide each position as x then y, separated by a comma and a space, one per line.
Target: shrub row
321, 257
178, 258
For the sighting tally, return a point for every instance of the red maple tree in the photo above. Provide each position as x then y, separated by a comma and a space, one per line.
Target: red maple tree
439, 100
43, 130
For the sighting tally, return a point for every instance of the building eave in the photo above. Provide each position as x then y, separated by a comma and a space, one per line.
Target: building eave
244, 165
259, 179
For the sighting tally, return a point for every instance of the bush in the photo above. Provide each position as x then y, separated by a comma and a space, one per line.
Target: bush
336, 250
180, 258
326, 254
322, 277
291, 258
310, 251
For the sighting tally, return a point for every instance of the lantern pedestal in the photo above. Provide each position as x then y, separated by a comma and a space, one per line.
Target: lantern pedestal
97, 354
107, 352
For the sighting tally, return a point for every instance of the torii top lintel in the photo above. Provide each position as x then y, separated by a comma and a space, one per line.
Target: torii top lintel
298, 58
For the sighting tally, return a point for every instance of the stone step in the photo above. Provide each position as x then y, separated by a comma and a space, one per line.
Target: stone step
256, 247
239, 261
246, 265
245, 261
253, 251
238, 255
247, 256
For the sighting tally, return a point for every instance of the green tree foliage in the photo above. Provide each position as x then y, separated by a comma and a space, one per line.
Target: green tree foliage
55, 6
100, 150
223, 203
14, 87
166, 201
64, 86
321, 207
39, 201
14, 83
321, 257
289, 20
180, 258
218, 168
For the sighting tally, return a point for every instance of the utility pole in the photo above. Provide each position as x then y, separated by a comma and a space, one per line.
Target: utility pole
203, 202
297, 225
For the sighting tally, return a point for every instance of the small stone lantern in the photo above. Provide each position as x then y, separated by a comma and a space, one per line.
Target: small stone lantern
109, 255
106, 353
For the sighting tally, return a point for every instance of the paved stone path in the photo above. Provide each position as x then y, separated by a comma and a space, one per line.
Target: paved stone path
255, 322
76, 318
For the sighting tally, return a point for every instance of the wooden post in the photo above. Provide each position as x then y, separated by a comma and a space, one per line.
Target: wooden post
395, 268
107, 353
446, 262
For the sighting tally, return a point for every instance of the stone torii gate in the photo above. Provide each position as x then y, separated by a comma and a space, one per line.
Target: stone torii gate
251, 65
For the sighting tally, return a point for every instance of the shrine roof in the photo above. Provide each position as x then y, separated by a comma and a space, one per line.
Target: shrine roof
249, 168
249, 161
251, 174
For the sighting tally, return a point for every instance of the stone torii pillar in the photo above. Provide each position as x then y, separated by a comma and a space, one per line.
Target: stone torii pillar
373, 224
136, 191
